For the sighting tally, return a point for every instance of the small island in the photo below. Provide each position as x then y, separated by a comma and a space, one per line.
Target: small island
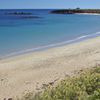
23, 15
76, 11
19, 13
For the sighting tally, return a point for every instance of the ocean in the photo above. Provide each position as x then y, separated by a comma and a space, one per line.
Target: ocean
40, 30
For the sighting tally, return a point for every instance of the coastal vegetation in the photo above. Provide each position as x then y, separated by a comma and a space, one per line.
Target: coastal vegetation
84, 86
74, 11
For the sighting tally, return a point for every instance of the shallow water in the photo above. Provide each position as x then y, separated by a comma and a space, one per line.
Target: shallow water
19, 34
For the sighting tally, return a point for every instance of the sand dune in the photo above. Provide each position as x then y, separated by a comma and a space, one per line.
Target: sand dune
29, 72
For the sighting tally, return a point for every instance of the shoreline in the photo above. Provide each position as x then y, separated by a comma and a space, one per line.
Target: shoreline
26, 73
50, 46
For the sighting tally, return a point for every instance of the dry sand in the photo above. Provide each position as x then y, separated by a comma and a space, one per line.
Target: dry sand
29, 72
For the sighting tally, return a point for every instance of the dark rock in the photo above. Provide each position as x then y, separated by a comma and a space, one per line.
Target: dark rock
51, 83
2, 79
10, 99
19, 13
30, 17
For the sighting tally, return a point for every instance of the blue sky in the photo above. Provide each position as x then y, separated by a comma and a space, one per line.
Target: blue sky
10, 4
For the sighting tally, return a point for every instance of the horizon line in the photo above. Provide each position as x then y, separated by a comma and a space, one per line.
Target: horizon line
49, 8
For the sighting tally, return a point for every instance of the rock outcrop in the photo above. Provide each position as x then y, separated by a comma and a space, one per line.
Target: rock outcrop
74, 11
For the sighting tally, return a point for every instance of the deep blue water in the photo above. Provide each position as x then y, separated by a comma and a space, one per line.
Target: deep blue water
19, 34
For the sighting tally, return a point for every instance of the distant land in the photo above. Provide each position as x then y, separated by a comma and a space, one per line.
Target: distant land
19, 13
26, 15
77, 10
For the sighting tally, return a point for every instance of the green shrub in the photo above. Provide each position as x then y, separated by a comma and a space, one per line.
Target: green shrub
86, 86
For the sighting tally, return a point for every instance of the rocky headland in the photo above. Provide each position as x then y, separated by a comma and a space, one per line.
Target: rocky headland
75, 11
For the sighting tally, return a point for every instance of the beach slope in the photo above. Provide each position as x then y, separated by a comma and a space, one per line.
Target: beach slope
29, 72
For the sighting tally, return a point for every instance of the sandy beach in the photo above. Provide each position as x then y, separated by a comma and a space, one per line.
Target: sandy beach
29, 72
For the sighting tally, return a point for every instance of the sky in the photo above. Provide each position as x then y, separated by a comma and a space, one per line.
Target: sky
47, 4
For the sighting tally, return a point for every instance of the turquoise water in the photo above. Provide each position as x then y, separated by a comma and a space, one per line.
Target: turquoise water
20, 35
